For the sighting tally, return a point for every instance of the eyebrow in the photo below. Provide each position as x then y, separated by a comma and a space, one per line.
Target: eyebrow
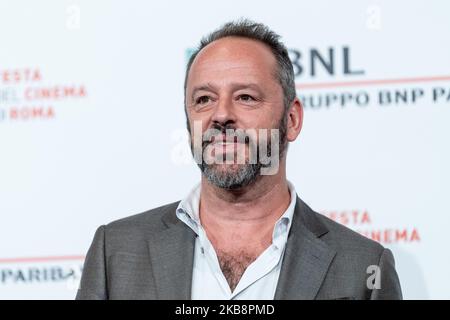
205, 87
234, 86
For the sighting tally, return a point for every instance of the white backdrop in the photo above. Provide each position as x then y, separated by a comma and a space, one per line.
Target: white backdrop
92, 125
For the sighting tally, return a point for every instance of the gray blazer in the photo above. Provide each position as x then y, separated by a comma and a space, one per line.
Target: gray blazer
150, 256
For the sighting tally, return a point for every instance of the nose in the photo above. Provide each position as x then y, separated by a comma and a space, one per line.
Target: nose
224, 113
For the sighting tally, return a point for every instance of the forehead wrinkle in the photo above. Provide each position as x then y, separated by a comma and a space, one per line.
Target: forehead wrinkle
233, 86
215, 77
226, 67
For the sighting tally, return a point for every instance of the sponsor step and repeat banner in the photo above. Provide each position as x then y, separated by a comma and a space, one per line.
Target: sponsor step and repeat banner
92, 126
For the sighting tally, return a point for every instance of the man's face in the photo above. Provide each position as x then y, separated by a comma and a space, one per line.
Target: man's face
232, 85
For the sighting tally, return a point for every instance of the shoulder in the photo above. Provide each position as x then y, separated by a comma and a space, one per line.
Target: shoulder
345, 238
339, 237
131, 234
355, 259
148, 219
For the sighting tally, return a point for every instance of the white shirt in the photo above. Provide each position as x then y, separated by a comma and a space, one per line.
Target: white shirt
259, 280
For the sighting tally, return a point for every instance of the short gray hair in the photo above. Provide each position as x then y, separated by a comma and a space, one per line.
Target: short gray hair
256, 31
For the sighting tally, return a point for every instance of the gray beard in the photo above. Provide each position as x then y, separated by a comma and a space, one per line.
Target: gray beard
245, 175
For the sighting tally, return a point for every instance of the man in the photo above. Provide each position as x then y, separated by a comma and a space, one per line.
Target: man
242, 233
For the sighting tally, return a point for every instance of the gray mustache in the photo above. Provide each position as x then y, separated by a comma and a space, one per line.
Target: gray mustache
231, 135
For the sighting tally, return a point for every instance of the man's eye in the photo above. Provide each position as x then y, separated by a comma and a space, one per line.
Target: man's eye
246, 98
203, 100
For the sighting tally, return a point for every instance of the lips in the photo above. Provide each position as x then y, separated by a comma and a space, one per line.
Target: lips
224, 143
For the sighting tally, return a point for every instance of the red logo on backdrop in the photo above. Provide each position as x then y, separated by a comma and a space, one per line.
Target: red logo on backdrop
25, 96
361, 222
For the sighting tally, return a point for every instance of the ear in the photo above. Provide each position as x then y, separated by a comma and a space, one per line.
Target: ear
295, 120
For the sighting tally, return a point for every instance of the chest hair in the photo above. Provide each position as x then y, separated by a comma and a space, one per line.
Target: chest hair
233, 265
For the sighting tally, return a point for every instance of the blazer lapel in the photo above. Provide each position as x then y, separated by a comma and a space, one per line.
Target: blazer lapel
172, 256
306, 258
